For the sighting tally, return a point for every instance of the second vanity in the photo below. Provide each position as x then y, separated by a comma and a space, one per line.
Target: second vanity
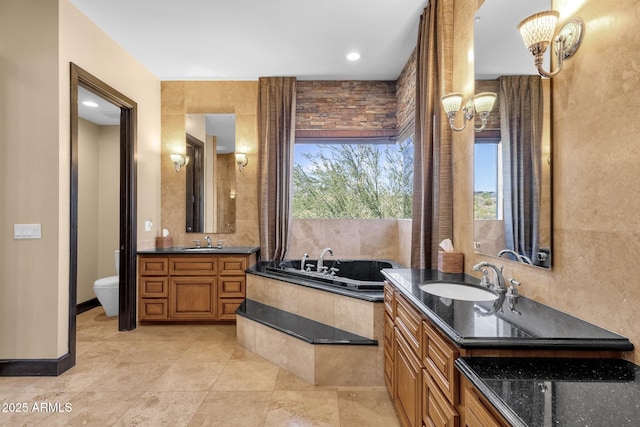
180, 284
428, 339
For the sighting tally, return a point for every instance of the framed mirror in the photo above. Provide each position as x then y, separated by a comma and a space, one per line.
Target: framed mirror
210, 201
512, 156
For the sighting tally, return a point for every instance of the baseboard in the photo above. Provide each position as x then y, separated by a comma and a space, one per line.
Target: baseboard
36, 367
87, 305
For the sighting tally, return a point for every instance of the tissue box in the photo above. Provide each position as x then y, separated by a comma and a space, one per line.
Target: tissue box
450, 262
164, 242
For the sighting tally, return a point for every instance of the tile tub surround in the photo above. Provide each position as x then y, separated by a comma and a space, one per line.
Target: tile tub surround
362, 364
180, 375
531, 326
565, 392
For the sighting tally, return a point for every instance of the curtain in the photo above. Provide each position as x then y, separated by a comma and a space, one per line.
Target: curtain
433, 176
521, 110
276, 127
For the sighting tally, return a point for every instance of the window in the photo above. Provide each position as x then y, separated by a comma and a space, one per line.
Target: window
369, 179
487, 179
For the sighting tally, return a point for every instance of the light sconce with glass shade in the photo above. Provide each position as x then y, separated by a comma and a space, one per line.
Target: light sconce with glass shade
537, 32
179, 160
241, 160
482, 104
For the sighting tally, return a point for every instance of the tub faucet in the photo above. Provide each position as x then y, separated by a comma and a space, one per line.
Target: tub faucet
208, 239
303, 261
321, 268
520, 258
499, 285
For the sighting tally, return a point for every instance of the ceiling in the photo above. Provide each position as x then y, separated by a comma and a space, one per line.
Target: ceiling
248, 39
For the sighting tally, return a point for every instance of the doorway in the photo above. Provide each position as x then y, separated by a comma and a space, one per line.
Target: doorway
127, 212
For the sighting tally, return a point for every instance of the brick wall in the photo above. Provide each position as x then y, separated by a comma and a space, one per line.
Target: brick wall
406, 93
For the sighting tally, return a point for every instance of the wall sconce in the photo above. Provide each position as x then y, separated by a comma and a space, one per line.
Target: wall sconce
179, 160
537, 32
482, 104
241, 160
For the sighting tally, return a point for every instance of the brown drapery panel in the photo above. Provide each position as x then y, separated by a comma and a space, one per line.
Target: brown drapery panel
276, 127
521, 110
433, 176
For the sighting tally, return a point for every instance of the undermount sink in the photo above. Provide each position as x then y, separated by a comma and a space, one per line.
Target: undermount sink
201, 249
459, 291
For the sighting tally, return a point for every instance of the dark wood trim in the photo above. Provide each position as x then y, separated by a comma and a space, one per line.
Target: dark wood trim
87, 305
128, 199
346, 133
36, 367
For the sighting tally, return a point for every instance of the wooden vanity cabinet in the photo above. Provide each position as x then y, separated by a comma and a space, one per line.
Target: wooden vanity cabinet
191, 287
477, 411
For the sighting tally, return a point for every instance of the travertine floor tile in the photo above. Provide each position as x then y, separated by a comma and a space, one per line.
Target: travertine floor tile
303, 408
178, 375
233, 409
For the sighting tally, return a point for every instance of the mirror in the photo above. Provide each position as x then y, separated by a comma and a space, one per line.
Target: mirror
210, 202
512, 168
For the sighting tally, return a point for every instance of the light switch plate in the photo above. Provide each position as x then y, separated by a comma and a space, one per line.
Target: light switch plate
148, 225
27, 231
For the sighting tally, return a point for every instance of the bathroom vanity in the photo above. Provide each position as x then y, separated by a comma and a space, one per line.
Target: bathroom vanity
429, 340
183, 284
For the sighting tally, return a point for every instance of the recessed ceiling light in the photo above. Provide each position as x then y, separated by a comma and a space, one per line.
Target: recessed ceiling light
89, 104
353, 56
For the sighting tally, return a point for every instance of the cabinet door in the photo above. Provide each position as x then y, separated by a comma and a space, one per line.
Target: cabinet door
436, 409
388, 354
408, 383
476, 414
192, 298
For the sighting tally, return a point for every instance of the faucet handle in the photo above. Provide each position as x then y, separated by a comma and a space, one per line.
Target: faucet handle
485, 278
219, 243
512, 291
197, 243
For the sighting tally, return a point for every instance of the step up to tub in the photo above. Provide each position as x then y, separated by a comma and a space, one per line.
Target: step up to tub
318, 353
299, 327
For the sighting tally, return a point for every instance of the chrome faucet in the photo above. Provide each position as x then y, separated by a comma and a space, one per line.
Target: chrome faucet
499, 285
303, 261
208, 239
219, 243
321, 268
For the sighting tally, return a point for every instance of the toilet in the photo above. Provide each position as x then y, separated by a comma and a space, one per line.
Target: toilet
106, 289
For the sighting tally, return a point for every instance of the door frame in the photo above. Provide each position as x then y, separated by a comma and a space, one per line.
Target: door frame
128, 200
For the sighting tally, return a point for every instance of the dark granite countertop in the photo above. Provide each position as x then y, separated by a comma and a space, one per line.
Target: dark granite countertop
558, 392
245, 250
522, 324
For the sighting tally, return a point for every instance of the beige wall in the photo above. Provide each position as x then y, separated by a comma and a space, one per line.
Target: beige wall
202, 97
34, 274
98, 204
596, 199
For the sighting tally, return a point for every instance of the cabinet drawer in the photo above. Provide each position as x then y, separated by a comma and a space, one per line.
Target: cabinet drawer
409, 323
232, 287
436, 409
439, 357
232, 265
153, 309
388, 371
153, 266
153, 287
227, 308
189, 265
388, 300
388, 333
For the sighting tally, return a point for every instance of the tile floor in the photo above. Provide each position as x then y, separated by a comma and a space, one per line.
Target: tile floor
180, 375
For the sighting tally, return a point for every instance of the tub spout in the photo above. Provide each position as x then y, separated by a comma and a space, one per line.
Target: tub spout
321, 268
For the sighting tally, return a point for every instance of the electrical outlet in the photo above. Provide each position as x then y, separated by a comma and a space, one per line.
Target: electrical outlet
148, 225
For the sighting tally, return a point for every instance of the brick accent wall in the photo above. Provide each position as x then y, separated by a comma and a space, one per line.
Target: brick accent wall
356, 107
